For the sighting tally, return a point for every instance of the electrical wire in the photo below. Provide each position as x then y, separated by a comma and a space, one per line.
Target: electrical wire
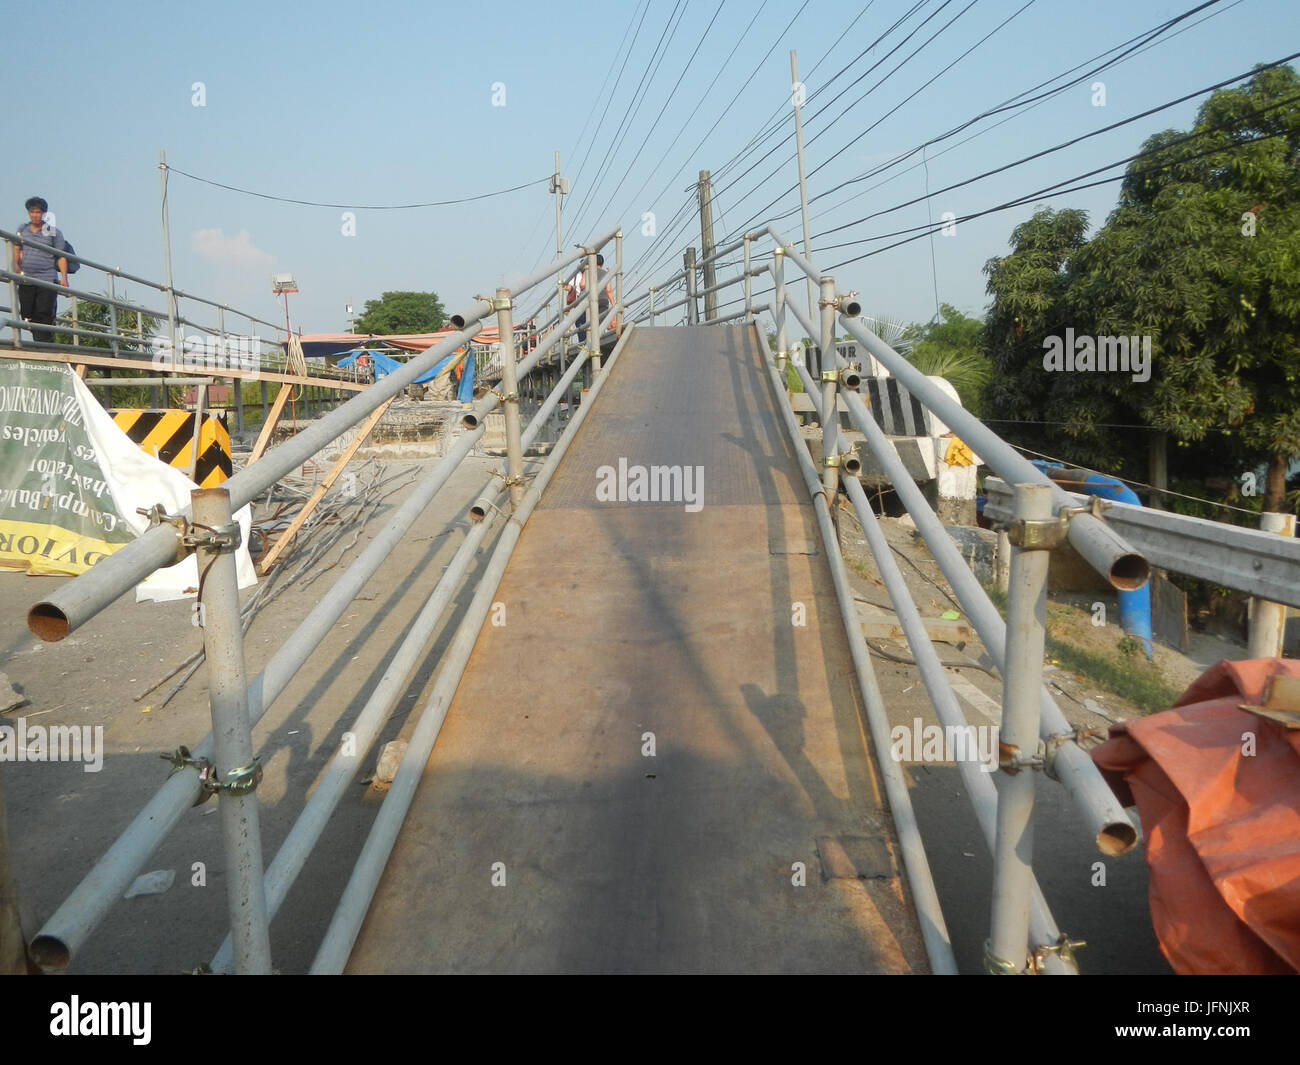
356, 206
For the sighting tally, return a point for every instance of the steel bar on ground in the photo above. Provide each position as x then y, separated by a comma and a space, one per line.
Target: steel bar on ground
341, 935
1007, 951
83, 597
1111, 829
233, 763
980, 789
926, 898
66, 930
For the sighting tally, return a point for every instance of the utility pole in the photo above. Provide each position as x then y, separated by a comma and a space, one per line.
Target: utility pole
706, 245
172, 313
559, 186
796, 97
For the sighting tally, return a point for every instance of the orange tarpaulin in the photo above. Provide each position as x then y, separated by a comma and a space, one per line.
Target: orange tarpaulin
1218, 790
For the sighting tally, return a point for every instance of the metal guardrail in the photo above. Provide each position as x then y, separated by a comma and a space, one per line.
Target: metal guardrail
208, 346
225, 761
1120, 542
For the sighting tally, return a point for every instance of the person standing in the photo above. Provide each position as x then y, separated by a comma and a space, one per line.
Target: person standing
38, 305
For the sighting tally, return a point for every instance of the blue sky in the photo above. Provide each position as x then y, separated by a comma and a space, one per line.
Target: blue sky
389, 103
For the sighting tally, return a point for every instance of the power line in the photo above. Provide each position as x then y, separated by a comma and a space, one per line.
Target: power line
594, 104
730, 105
654, 125
1055, 189
882, 59
355, 206
1021, 100
638, 96
1142, 47
1085, 136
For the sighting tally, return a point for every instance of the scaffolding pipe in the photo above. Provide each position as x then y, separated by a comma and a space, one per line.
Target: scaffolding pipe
1111, 829
343, 765
929, 912
1007, 950
980, 790
337, 945
1104, 549
233, 764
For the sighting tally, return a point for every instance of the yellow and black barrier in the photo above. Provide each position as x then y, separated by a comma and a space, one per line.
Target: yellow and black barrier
168, 435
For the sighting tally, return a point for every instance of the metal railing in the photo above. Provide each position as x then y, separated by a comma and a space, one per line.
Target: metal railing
225, 762
188, 346
1119, 541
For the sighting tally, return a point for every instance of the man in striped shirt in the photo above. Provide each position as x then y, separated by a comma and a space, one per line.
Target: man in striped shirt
36, 304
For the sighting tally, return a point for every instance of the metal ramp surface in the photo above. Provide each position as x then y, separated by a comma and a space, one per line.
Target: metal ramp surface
544, 837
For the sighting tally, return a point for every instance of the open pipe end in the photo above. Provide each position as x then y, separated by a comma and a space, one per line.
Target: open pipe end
457, 321
852, 465
50, 953
48, 622
479, 510
851, 308
1116, 838
1129, 572
469, 420
851, 379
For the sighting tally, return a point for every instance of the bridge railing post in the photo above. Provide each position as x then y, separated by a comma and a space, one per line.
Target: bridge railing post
618, 281
778, 312
749, 288
11, 258
234, 766
593, 311
510, 382
830, 376
1034, 532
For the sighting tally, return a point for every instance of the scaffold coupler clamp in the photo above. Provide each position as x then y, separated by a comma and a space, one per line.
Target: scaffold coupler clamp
995, 966
1011, 760
222, 540
1064, 948
157, 515
239, 781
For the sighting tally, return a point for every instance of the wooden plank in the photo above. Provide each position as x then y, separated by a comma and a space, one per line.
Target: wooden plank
268, 427
880, 623
287, 536
149, 364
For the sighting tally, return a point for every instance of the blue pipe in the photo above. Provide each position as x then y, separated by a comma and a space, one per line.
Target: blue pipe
1134, 606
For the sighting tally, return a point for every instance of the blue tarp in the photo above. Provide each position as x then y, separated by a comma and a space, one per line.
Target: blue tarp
384, 366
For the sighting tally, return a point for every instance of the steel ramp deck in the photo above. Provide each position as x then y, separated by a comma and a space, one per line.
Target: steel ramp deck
624, 619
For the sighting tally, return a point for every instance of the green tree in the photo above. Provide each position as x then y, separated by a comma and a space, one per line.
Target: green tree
97, 317
950, 348
1054, 413
1203, 254
401, 312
